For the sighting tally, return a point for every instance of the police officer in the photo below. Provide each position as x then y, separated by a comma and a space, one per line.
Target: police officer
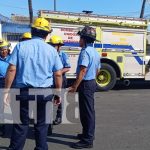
87, 68
4, 56
57, 42
25, 36
33, 62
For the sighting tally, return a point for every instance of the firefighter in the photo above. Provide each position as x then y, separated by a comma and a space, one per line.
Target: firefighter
4, 56
57, 42
87, 68
25, 36
33, 63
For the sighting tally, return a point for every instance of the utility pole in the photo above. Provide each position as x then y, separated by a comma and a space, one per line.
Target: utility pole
142, 9
30, 11
54, 5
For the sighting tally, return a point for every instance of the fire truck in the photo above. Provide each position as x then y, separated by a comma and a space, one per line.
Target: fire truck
121, 42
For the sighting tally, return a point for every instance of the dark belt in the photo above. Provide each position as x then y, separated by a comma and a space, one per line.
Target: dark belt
24, 94
28, 87
2, 78
88, 80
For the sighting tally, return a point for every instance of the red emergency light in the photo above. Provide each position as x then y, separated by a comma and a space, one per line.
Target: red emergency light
104, 54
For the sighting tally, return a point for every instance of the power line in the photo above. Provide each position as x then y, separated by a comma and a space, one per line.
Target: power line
25, 8
112, 13
22, 8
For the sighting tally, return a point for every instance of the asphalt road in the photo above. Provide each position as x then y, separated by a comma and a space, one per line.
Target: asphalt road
122, 122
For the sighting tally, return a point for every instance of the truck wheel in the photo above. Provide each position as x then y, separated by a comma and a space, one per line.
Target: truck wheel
106, 79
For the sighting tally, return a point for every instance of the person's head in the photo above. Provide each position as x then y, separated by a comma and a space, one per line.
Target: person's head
4, 48
56, 41
26, 36
87, 36
41, 28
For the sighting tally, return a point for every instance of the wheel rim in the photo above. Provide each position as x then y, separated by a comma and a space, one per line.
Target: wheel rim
103, 78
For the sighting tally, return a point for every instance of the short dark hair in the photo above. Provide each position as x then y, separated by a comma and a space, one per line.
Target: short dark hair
40, 33
88, 40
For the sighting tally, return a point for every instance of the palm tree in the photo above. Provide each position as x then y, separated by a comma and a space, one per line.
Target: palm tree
30, 11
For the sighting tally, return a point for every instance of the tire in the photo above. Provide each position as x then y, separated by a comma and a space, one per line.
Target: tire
106, 79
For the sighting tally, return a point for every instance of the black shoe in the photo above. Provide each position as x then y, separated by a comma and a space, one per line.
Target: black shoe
79, 136
31, 121
50, 129
2, 130
57, 121
82, 144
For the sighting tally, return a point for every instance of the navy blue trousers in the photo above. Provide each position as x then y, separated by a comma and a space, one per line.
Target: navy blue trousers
87, 111
2, 82
20, 131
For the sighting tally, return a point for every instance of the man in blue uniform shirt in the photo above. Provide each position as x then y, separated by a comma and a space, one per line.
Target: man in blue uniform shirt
87, 69
4, 56
57, 42
34, 63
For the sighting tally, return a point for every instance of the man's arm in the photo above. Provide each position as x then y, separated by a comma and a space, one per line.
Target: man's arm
66, 63
64, 70
10, 75
58, 79
80, 77
97, 72
58, 85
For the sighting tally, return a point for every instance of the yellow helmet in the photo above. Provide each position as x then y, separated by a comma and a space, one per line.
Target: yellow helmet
56, 40
42, 24
4, 44
26, 35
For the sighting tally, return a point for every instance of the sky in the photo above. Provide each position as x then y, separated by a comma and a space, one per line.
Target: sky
130, 8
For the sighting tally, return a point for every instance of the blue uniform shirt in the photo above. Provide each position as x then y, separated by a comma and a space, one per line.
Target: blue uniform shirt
90, 58
35, 61
64, 59
3, 66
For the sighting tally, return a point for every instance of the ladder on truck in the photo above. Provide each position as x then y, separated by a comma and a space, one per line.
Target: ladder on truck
93, 19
